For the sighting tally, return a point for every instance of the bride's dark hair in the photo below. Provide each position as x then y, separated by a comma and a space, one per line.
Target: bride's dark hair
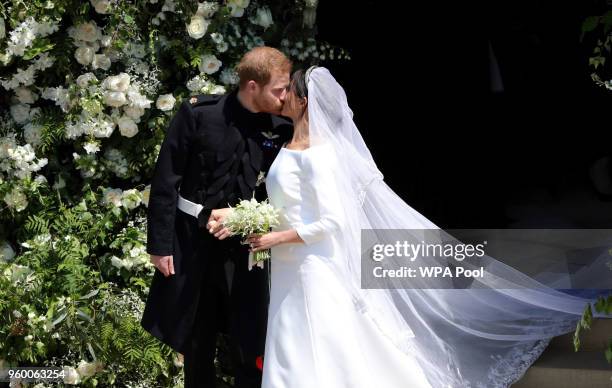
298, 83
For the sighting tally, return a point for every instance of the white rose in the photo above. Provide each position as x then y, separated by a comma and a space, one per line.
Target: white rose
117, 83
25, 95
101, 61
112, 197
134, 112
84, 55
197, 27
86, 369
71, 376
87, 32
115, 99
263, 18
165, 102
6, 251
101, 6
20, 113
84, 79
127, 126
209, 64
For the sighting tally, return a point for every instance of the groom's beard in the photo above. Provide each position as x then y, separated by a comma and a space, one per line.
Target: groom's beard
272, 106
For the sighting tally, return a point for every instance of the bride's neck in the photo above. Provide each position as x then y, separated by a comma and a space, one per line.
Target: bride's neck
300, 133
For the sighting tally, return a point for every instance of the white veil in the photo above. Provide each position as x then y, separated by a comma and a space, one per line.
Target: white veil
485, 335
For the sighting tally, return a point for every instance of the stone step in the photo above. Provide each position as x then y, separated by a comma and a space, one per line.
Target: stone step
597, 338
559, 368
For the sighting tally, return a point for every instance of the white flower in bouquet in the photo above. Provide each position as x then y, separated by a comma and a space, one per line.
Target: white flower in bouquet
84, 79
106, 40
263, 18
115, 99
101, 6
165, 102
137, 99
112, 197
127, 126
135, 50
197, 27
60, 95
71, 376
20, 113
222, 47
134, 112
209, 64
33, 134
229, 77
91, 147
25, 95
169, 6
207, 9
25, 77
87, 32
84, 55
117, 83
6, 252
101, 61
16, 199
88, 369
252, 217
43, 61
237, 7
131, 199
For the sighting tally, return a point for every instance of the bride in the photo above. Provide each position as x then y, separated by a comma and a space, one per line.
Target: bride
324, 329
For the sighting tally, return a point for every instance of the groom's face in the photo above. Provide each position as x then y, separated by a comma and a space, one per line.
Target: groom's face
271, 97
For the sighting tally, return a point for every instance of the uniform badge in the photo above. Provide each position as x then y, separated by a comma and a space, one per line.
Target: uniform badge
193, 100
269, 137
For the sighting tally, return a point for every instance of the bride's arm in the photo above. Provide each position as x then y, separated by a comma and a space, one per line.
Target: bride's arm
319, 167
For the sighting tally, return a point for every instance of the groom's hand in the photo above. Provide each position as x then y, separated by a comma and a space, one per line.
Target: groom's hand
163, 263
215, 223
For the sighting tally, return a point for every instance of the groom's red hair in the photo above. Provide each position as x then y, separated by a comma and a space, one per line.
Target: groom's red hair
259, 63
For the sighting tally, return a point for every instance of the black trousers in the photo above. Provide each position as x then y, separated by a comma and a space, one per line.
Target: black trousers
221, 311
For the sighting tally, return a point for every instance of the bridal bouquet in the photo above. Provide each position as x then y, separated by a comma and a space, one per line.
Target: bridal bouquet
252, 217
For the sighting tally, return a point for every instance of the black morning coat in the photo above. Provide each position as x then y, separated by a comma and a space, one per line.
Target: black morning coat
215, 153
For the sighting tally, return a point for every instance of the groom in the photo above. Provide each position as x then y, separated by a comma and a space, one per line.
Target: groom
216, 152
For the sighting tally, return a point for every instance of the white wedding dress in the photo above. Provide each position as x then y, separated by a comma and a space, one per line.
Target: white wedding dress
315, 336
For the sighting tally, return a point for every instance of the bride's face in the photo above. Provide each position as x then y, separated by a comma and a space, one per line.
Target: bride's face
294, 106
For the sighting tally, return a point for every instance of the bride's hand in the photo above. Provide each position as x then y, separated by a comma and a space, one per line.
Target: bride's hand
264, 241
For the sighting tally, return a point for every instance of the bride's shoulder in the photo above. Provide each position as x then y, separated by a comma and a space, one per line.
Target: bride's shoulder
319, 156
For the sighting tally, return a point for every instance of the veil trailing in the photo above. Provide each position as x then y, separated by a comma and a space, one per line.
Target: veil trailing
482, 334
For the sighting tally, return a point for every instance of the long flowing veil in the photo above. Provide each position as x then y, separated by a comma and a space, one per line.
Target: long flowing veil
484, 334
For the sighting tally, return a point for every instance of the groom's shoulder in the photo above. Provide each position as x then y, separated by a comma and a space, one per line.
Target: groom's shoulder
203, 100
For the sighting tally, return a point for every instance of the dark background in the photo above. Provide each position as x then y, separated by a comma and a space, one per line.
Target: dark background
455, 149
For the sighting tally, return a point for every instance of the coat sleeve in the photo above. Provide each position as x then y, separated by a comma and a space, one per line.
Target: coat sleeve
318, 169
167, 177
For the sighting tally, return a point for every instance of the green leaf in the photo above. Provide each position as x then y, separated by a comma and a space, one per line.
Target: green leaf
589, 24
